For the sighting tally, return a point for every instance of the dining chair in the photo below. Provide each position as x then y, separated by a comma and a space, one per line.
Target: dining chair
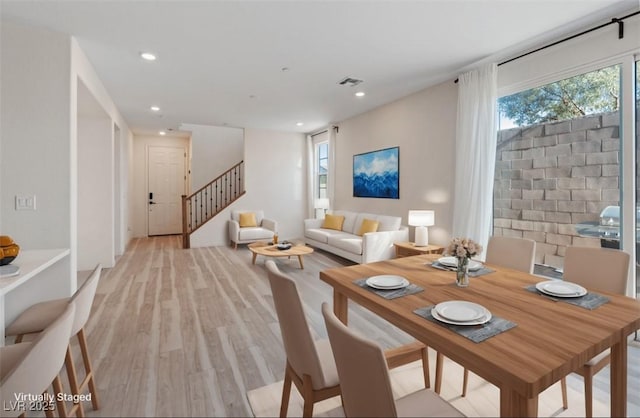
309, 365
510, 252
598, 269
37, 317
364, 378
31, 367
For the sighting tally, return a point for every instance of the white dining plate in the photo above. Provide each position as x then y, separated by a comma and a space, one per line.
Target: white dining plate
453, 262
561, 289
479, 321
460, 310
387, 282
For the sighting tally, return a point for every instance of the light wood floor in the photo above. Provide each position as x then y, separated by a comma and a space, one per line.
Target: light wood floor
180, 332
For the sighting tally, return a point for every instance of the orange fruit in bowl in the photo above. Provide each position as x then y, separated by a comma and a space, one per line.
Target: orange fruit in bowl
8, 250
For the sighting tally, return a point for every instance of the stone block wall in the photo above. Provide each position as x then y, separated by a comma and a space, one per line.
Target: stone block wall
551, 176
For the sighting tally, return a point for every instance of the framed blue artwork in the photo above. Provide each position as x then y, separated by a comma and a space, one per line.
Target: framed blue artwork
377, 174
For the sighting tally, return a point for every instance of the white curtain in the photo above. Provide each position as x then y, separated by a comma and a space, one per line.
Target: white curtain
475, 154
311, 212
331, 187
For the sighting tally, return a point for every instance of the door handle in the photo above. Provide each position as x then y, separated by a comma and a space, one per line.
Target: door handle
151, 202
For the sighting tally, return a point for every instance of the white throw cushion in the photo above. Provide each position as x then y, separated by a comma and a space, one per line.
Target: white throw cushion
388, 223
349, 220
350, 243
254, 233
385, 223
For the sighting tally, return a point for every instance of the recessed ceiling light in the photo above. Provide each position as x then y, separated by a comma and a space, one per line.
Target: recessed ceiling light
299, 124
155, 108
360, 94
162, 133
148, 56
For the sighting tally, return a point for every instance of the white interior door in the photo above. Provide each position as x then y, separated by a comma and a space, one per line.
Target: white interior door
166, 186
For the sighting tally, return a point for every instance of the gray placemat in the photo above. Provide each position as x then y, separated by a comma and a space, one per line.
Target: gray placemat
480, 272
589, 301
476, 333
390, 294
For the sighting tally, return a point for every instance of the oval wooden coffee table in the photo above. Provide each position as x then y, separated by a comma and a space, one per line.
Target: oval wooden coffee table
266, 249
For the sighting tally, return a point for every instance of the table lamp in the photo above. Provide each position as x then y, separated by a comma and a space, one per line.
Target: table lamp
421, 219
322, 204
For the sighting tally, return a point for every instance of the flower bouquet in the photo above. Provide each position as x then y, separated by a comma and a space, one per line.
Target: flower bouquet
463, 249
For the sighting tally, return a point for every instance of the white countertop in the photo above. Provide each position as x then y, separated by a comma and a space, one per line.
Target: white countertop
31, 262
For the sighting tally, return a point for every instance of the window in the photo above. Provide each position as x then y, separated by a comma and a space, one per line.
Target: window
322, 171
321, 174
558, 165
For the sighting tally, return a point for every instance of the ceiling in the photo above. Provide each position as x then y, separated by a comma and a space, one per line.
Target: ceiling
222, 62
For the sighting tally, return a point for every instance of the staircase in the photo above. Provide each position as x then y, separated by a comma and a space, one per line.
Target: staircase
205, 203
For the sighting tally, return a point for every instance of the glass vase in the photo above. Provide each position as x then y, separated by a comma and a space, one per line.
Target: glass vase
462, 272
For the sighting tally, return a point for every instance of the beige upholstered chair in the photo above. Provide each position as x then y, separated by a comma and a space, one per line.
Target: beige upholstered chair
513, 253
310, 363
598, 269
31, 367
364, 379
39, 316
263, 229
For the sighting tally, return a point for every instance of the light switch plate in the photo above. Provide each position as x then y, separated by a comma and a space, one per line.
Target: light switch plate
26, 202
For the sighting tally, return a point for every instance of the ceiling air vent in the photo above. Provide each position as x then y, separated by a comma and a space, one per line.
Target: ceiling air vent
349, 81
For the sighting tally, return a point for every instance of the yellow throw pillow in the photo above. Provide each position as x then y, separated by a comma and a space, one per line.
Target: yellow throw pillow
333, 222
247, 219
368, 225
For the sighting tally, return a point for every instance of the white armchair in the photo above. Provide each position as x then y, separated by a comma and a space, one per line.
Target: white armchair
264, 229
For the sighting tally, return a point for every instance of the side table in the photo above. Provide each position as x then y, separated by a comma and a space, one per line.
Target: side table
407, 249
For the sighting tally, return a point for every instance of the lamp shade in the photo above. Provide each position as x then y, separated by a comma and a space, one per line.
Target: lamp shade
321, 203
421, 217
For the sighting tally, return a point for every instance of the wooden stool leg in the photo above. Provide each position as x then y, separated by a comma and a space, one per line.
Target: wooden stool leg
47, 412
563, 388
307, 394
88, 369
73, 380
57, 388
286, 392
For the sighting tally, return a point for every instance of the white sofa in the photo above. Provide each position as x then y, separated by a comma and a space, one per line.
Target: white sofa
263, 231
372, 246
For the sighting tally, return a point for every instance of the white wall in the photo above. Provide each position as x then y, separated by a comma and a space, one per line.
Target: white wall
219, 149
139, 196
81, 69
39, 123
275, 172
423, 126
95, 191
35, 129
35, 147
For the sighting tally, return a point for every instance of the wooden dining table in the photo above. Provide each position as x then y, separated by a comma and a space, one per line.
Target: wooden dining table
551, 338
